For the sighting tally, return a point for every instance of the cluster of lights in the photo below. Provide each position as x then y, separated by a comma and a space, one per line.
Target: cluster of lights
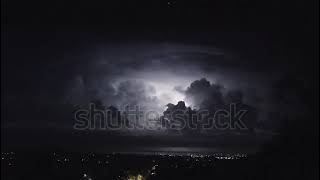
85, 158
176, 161
214, 155
61, 158
86, 177
8, 158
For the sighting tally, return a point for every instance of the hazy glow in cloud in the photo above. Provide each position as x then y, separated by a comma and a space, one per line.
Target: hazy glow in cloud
166, 93
151, 75
164, 83
164, 90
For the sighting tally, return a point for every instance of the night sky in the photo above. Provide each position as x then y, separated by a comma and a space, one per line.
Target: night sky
61, 54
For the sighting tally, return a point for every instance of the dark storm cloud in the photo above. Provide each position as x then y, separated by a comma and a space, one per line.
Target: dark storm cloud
110, 65
286, 100
202, 91
152, 74
202, 94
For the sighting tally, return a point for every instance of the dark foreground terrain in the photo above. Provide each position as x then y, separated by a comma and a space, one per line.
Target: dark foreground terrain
93, 166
